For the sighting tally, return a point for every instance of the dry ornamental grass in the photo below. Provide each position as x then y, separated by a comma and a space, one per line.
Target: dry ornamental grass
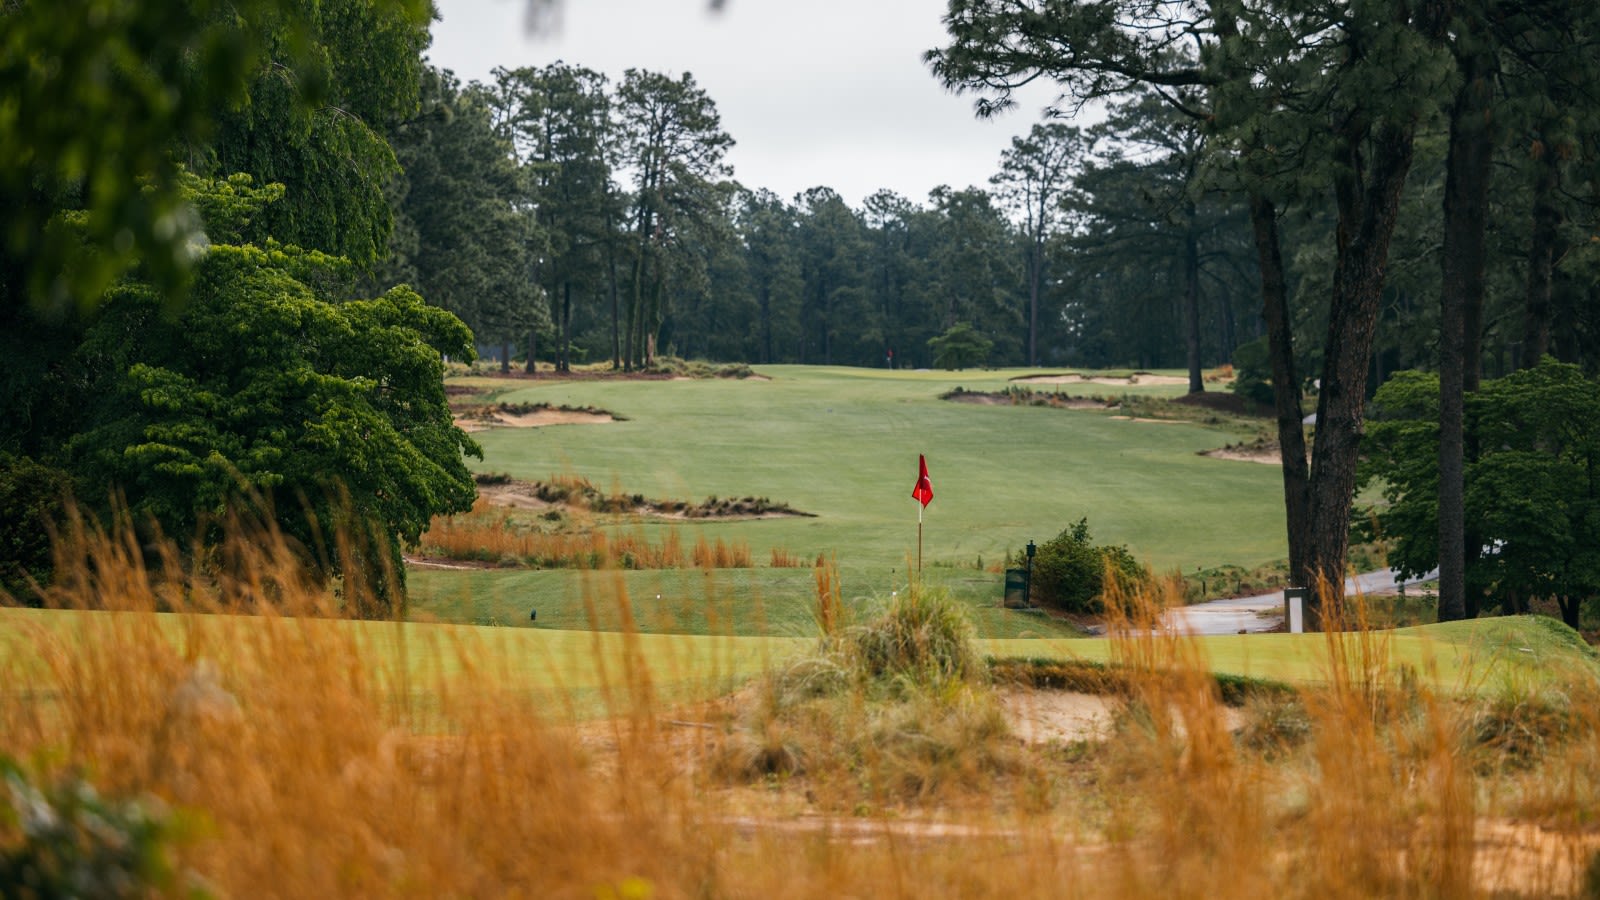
302, 766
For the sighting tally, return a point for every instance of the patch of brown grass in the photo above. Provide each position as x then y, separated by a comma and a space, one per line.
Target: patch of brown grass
489, 534
720, 554
781, 558
311, 769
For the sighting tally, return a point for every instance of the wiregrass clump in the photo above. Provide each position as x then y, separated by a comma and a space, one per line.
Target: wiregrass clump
891, 709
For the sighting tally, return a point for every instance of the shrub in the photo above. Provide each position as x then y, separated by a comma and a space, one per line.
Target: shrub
1069, 571
31, 495
74, 843
1253, 372
959, 347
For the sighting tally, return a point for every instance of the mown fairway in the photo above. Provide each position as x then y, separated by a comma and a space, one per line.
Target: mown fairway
572, 673
842, 444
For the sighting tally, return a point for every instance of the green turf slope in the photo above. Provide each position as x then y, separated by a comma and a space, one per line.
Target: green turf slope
842, 444
1476, 656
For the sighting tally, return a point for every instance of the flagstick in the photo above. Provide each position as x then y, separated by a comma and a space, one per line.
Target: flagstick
919, 538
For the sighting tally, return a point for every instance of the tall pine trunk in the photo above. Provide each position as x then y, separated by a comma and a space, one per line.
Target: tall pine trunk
766, 323
564, 329
1466, 201
1368, 198
1191, 303
1285, 383
1543, 248
611, 266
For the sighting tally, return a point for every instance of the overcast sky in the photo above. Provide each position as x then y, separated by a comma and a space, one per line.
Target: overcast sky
814, 92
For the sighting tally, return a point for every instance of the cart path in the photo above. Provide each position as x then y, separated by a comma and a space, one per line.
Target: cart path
1264, 612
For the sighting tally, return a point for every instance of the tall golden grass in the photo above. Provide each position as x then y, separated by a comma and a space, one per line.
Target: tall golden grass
311, 769
488, 534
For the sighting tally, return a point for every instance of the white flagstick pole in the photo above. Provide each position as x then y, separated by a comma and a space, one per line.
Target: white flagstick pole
919, 537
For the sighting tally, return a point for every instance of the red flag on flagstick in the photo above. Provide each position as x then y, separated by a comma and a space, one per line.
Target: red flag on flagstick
923, 492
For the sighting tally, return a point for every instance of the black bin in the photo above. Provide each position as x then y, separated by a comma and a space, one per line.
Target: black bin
1016, 589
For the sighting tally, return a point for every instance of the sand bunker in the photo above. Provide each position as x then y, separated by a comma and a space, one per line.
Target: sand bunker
492, 417
1141, 378
1244, 454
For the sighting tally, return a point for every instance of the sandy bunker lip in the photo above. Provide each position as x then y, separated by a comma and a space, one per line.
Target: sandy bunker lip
1146, 378
534, 415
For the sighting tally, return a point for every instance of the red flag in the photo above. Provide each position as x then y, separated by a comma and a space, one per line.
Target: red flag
923, 492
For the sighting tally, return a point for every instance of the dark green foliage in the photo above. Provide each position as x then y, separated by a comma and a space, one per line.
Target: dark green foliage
558, 119
1069, 571
63, 839
1252, 372
334, 413
467, 238
30, 495
959, 347
671, 137
100, 98
340, 75
1532, 483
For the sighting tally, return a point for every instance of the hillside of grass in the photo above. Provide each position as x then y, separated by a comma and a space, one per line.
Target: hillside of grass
577, 673
1467, 657
561, 673
841, 444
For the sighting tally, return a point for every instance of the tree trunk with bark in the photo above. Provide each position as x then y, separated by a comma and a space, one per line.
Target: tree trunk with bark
1368, 198
1542, 252
1285, 382
1191, 303
1466, 202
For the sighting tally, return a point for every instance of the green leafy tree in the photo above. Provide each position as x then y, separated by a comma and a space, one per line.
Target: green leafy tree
1034, 177
468, 211
772, 263
95, 97
333, 412
835, 319
959, 347
974, 268
559, 120
673, 142
334, 82
1300, 92
31, 495
1532, 490
892, 272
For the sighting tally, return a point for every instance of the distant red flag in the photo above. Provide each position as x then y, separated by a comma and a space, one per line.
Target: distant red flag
923, 492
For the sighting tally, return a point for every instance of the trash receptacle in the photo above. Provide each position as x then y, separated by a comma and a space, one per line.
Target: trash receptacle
1016, 589
1294, 608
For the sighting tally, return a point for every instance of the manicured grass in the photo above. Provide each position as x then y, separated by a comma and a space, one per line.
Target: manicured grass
563, 672
1476, 656
759, 601
582, 673
842, 444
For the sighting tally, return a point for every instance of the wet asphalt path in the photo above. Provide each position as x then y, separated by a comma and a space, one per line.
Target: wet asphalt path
1264, 612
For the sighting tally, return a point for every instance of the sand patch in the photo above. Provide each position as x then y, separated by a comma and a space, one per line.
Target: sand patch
1154, 421
481, 418
1139, 378
1240, 454
1040, 717
1025, 398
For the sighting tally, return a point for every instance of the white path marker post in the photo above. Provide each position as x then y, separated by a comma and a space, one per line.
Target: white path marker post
1294, 602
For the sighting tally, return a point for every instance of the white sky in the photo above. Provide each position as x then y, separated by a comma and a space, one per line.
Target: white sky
814, 92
